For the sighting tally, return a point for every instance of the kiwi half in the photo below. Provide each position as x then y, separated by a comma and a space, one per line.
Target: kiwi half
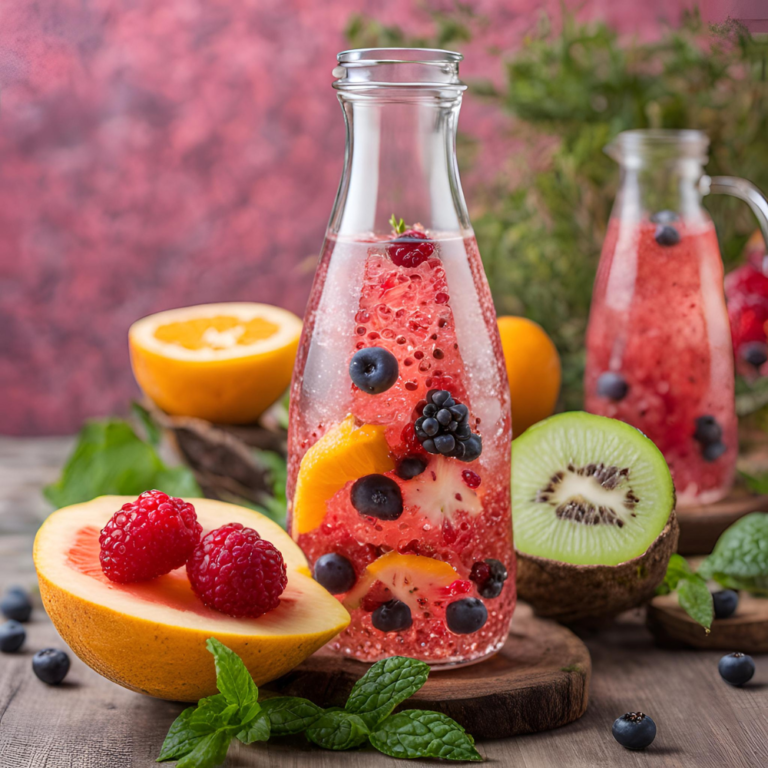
592, 507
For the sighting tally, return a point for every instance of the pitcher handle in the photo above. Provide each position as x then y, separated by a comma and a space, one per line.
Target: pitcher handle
744, 190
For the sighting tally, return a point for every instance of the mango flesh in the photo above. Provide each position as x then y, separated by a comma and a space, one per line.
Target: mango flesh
150, 637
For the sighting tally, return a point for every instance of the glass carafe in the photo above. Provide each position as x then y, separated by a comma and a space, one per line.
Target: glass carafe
658, 344
400, 427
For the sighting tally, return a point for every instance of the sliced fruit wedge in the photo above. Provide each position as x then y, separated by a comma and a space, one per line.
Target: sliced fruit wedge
440, 491
346, 453
410, 578
150, 637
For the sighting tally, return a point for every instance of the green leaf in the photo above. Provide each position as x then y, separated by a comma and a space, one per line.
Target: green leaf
397, 226
233, 679
110, 459
337, 730
290, 714
740, 557
384, 686
696, 600
257, 730
418, 733
677, 569
209, 752
181, 738
154, 433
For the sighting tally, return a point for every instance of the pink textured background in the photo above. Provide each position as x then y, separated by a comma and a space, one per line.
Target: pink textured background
160, 154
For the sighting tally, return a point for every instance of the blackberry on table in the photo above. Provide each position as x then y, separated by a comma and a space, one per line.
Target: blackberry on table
443, 428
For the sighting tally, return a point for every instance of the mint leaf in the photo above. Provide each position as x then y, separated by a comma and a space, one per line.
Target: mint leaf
234, 680
290, 714
110, 459
209, 752
384, 686
740, 557
181, 738
677, 569
258, 730
210, 710
338, 729
418, 733
154, 433
696, 600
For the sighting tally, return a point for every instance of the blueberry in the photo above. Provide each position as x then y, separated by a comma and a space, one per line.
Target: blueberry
714, 451
335, 573
394, 616
410, 467
708, 431
725, 603
666, 235
472, 448
12, 636
377, 496
755, 353
373, 370
51, 665
16, 605
445, 444
634, 730
664, 217
466, 616
736, 668
612, 385
491, 587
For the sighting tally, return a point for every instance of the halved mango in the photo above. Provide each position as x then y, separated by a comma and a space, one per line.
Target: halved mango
150, 637
346, 453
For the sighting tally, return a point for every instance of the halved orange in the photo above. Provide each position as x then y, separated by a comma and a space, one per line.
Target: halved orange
347, 452
150, 636
225, 363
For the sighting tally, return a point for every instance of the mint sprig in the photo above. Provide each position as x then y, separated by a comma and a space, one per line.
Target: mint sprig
692, 591
201, 735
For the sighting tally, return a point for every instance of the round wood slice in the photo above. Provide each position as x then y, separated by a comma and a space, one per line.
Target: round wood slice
700, 527
745, 631
538, 681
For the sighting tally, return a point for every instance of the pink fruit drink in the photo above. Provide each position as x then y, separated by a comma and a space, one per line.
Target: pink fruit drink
400, 336
659, 350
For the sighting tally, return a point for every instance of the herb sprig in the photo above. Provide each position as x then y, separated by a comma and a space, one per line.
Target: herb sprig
692, 592
201, 735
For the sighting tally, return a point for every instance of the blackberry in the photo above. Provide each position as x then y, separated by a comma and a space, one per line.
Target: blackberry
443, 427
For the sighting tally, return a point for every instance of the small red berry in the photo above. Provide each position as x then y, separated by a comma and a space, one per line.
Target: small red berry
471, 479
148, 537
235, 571
410, 249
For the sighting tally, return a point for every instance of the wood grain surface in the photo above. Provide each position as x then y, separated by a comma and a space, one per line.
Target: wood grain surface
91, 723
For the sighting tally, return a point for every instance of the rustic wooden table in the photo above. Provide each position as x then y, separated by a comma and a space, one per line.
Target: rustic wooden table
90, 723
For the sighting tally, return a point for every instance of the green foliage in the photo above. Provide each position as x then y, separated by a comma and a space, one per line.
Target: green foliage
692, 592
110, 458
740, 557
540, 225
201, 735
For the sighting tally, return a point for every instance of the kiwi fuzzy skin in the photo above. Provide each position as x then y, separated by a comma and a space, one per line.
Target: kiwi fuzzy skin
575, 593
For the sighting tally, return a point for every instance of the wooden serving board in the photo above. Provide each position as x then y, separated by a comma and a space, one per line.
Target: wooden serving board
745, 631
538, 681
700, 527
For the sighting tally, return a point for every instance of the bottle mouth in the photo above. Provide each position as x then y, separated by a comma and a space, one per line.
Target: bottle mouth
661, 143
415, 69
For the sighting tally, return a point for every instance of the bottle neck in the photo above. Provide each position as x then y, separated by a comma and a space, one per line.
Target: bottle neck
400, 160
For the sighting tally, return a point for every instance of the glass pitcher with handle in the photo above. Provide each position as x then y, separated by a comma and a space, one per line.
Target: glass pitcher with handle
659, 350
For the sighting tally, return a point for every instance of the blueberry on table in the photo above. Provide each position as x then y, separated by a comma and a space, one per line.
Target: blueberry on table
736, 668
664, 217
12, 636
16, 605
373, 370
377, 496
725, 603
635, 730
666, 235
51, 665
466, 616
612, 386
394, 616
410, 467
755, 353
335, 573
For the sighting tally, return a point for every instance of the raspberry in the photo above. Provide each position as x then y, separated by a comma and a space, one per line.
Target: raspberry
235, 571
410, 249
148, 537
